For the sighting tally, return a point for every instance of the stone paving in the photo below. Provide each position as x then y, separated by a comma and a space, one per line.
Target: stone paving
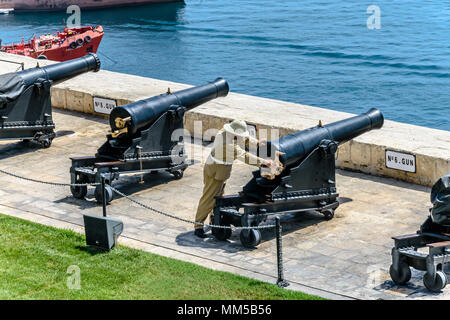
347, 257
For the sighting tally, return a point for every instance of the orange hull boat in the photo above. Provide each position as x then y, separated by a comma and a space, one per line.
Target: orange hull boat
70, 44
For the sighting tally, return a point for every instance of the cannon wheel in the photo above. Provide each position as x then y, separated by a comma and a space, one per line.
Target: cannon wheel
328, 214
46, 143
250, 238
437, 284
402, 276
222, 234
108, 193
178, 174
79, 192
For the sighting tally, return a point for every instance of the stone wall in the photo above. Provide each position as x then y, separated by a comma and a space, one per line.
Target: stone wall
366, 153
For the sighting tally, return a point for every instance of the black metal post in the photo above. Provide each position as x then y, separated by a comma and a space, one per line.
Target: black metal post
280, 282
103, 196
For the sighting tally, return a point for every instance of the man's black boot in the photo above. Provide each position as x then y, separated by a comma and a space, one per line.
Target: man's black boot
200, 233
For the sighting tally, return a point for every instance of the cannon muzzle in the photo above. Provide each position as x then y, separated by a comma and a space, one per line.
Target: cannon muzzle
140, 115
296, 146
60, 72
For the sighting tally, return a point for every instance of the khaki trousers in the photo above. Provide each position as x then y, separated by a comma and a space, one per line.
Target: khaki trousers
214, 178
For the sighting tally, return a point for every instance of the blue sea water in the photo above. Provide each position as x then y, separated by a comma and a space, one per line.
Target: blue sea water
316, 52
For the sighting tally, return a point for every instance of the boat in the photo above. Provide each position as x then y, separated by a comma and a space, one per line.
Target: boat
69, 44
57, 5
6, 11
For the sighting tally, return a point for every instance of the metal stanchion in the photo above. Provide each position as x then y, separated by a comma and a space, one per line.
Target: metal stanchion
280, 282
103, 196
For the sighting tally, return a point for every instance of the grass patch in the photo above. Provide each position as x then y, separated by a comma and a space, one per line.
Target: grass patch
34, 260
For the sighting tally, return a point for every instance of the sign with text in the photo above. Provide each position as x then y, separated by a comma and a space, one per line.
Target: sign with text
400, 161
102, 105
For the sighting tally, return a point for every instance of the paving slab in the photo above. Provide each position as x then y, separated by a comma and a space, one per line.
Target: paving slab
347, 257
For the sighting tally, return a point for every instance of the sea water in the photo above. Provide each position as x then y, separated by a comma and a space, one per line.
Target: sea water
343, 55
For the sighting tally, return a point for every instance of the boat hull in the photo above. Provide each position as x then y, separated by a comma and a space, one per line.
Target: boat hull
70, 44
57, 5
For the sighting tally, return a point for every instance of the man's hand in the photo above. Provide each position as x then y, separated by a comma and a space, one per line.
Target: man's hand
269, 163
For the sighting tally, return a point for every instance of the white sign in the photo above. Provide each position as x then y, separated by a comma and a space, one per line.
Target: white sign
105, 106
400, 161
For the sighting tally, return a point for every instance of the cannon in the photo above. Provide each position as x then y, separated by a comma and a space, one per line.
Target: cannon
429, 248
25, 102
304, 181
141, 139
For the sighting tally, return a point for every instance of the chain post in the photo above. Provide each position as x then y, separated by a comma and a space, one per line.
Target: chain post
103, 195
280, 282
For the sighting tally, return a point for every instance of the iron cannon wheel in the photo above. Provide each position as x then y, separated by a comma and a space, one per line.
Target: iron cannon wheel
79, 192
437, 284
328, 214
402, 276
178, 174
46, 143
250, 238
108, 193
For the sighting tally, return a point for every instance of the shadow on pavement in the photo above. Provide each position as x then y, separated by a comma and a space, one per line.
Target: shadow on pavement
19, 147
290, 223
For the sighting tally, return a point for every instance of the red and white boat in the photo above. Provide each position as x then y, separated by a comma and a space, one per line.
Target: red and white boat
69, 44
54, 5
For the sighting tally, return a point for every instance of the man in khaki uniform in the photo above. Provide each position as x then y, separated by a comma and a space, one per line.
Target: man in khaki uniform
217, 170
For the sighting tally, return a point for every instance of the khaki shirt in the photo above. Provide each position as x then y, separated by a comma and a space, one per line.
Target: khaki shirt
226, 149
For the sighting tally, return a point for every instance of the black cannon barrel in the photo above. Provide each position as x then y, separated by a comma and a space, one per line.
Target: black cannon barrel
62, 71
297, 145
143, 113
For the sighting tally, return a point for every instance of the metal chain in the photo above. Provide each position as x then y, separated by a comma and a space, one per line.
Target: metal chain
187, 220
58, 184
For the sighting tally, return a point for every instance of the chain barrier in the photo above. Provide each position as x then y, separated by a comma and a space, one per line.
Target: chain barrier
187, 220
57, 184
143, 205
281, 282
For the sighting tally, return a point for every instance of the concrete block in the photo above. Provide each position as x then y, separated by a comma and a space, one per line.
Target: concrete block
76, 100
58, 98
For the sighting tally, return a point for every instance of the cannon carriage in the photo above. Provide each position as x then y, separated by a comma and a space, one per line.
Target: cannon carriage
429, 248
25, 101
142, 139
306, 181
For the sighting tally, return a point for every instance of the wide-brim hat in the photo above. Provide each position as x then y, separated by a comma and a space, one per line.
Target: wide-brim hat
237, 128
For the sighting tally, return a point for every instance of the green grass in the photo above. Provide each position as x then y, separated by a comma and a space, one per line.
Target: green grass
34, 260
